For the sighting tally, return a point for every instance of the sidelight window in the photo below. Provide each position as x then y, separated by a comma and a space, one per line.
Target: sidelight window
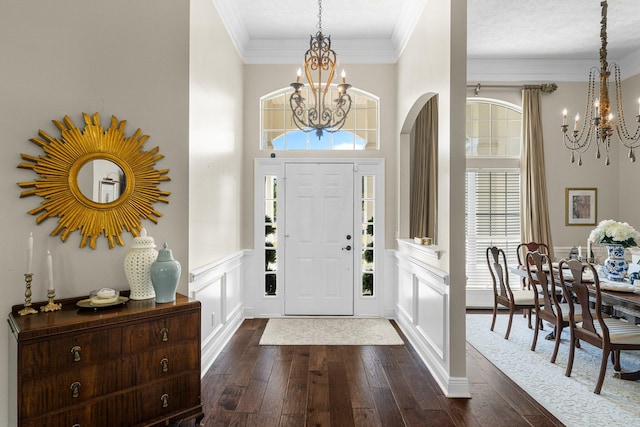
270, 235
368, 240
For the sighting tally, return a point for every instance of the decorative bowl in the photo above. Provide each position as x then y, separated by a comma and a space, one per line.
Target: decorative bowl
104, 296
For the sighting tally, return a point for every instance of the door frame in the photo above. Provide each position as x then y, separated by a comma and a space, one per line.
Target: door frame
262, 305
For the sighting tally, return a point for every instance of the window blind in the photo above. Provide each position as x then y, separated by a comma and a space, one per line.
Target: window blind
492, 219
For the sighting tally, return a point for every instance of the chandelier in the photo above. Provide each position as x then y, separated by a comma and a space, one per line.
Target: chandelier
599, 121
321, 114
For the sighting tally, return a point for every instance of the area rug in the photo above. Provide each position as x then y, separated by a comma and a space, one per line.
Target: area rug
332, 331
570, 399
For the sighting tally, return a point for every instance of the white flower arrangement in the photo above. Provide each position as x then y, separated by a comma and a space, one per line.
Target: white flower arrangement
610, 232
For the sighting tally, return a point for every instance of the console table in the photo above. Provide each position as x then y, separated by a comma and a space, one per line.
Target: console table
136, 364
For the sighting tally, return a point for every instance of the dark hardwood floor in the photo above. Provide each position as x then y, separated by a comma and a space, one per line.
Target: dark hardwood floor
342, 386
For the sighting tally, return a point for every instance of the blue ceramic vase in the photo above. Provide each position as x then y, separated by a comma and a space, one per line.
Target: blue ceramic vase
165, 275
615, 265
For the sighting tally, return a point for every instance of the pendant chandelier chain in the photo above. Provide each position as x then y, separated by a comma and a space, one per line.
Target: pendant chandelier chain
600, 124
326, 110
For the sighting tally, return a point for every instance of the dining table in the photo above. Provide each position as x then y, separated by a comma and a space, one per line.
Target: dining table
623, 297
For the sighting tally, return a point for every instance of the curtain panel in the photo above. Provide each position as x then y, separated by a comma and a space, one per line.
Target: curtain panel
422, 221
535, 226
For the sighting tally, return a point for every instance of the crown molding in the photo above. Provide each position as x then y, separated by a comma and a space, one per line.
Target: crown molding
291, 51
558, 70
230, 16
406, 24
349, 51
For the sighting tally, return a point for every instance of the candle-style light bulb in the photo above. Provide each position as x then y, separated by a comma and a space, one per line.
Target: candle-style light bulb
344, 76
597, 105
575, 126
639, 106
564, 117
298, 75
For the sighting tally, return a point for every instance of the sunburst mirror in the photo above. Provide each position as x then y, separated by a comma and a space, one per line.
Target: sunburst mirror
97, 181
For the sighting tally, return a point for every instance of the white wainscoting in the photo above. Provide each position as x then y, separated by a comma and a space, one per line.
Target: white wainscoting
219, 288
423, 315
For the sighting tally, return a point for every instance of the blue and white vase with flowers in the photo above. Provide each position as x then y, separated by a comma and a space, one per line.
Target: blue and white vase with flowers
616, 236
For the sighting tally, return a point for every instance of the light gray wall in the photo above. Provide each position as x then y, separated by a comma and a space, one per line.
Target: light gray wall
117, 57
215, 139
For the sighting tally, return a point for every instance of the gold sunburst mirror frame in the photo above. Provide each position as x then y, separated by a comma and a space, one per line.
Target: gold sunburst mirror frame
59, 169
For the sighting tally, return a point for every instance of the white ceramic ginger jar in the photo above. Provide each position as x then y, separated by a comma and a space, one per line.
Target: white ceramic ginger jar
137, 266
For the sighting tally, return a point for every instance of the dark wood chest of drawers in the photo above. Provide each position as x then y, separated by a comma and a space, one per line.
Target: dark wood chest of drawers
137, 364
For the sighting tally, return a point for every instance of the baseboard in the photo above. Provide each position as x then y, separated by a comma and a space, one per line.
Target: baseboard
452, 387
215, 342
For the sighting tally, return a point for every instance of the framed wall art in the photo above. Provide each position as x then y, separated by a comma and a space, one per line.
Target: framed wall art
581, 206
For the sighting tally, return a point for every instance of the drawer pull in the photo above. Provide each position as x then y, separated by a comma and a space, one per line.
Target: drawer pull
75, 350
75, 389
165, 364
76, 425
165, 334
165, 400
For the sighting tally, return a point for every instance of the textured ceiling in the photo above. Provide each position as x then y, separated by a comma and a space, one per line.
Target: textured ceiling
550, 28
375, 31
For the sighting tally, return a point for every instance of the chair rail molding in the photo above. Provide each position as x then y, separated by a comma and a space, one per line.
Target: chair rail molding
423, 316
219, 288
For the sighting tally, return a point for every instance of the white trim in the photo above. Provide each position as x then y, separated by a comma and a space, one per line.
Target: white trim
429, 251
423, 316
264, 306
218, 286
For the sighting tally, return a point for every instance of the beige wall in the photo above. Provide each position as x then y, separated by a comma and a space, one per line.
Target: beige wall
122, 58
434, 61
261, 80
562, 174
215, 139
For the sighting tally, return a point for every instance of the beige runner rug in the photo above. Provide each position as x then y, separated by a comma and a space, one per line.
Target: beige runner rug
322, 331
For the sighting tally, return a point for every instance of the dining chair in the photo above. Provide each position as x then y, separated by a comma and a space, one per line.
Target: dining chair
513, 299
607, 333
524, 248
547, 305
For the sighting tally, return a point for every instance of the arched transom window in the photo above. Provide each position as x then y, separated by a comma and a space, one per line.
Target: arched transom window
278, 131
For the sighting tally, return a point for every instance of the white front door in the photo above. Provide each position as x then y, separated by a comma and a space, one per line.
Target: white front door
319, 239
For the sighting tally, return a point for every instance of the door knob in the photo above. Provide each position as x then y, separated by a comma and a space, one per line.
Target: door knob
348, 248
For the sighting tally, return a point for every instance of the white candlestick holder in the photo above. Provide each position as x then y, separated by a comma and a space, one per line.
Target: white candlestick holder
51, 306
